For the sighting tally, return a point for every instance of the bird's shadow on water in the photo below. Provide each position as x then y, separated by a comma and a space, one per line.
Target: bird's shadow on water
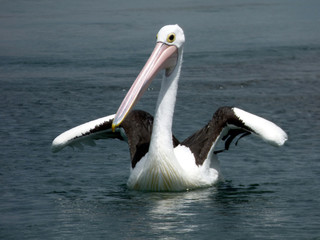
227, 192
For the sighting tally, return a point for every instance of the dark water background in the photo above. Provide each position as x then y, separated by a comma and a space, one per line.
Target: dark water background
63, 63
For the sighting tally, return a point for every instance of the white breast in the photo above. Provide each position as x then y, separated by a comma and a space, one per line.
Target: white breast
171, 172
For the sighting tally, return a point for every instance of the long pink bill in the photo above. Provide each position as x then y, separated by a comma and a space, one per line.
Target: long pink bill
163, 57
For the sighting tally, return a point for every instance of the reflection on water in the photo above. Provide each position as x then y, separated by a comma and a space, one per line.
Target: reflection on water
171, 208
180, 212
172, 215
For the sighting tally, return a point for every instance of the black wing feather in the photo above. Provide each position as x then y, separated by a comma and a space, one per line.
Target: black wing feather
138, 128
202, 141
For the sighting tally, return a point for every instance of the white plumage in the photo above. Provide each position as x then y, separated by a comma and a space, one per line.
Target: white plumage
267, 130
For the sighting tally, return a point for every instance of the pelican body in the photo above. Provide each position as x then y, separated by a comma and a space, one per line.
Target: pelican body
159, 161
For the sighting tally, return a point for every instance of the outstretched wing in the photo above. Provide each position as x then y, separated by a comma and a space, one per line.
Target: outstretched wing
86, 134
228, 123
136, 130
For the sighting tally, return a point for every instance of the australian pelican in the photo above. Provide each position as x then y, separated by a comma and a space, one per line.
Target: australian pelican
159, 161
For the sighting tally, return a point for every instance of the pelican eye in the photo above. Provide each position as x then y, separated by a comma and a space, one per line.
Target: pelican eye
171, 37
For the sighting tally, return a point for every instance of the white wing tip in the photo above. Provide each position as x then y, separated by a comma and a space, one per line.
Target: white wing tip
58, 143
278, 138
266, 129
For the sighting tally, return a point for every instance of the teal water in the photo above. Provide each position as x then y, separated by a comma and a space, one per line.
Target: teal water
63, 63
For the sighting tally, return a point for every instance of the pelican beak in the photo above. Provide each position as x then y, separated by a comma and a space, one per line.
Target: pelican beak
163, 57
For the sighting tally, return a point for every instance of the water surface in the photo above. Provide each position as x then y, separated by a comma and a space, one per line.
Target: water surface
63, 63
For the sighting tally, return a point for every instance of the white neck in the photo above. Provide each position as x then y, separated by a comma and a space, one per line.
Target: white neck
161, 140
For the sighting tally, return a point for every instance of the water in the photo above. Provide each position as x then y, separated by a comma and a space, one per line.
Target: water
63, 63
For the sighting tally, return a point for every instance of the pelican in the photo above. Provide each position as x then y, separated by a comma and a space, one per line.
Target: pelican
159, 161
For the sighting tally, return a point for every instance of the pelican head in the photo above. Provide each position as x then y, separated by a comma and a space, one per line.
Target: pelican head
165, 56
171, 35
